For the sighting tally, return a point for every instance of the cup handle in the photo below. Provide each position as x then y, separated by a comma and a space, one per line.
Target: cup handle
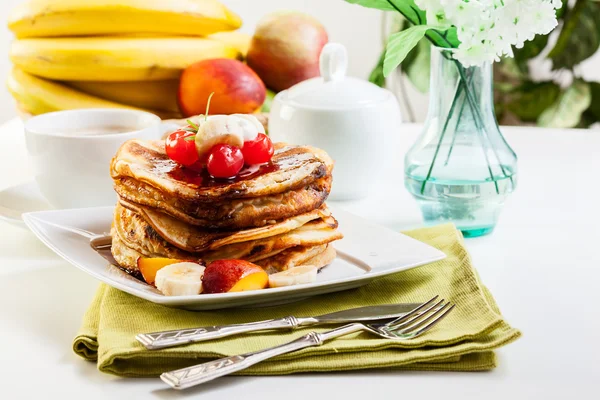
333, 62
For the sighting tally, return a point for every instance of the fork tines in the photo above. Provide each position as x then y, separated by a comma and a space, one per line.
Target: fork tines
421, 319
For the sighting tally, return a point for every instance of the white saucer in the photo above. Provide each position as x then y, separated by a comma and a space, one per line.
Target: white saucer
19, 199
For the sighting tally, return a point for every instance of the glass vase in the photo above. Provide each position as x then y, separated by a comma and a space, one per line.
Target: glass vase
461, 168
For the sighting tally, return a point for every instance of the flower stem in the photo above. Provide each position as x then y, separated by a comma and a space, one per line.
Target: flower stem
478, 115
460, 112
479, 126
437, 149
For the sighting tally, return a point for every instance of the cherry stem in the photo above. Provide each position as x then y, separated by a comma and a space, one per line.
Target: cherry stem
208, 106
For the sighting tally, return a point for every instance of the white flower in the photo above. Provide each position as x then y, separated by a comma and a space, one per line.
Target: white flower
487, 29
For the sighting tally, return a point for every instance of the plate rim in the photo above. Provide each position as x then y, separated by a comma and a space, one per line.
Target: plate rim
33, 221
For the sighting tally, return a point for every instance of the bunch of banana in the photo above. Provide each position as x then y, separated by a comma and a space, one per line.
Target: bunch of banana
114, 53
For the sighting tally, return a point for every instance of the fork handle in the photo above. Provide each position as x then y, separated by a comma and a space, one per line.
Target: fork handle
201, 373
161, 340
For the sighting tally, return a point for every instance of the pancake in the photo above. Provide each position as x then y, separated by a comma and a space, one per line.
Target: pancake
234, 214
195, 239
291, 168
271, 214
292, 257
123, 255
296, 181
311, 234
319, 256
137, 234
134, 232
322, 259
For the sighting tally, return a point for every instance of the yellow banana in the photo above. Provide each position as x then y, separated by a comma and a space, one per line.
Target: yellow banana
114, 58
239, 40
38, 96
157, 95
43, 18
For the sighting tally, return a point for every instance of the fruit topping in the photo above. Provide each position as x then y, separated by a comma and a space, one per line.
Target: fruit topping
224, 143
250, 126
218, 129
224, 161
258, 151
180, 279
149, 266
180, 147
294, 276
223, 276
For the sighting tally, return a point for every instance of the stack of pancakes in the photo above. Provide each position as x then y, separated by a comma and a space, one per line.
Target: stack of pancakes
273, 215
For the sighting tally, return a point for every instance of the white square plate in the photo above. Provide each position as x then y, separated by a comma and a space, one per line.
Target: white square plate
366, 252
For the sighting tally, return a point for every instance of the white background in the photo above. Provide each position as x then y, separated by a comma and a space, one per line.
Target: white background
358, 28
541, 263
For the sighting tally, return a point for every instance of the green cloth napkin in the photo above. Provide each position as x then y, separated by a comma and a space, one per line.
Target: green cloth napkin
463, 341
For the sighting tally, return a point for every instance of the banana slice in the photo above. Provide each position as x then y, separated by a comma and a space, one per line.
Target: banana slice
226, 129
294, 276
250, 126
180, 279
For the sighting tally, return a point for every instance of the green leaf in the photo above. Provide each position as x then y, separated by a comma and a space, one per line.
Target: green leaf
408, 8
448, 38
410, 11
377, 4
376, 75
400, 44
587, 119
579, 37
418, 70
410, 57
594, 109
531, 99
564, 9
567, 110
529, 50
192, 124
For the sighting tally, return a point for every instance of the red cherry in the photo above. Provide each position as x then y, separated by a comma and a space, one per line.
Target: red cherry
258, 151
224, 161
181, 147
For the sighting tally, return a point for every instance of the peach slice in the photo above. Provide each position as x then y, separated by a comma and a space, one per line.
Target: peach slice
149, 266
223, 276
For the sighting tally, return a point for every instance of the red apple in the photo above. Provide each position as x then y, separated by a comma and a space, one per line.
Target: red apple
223, 276
285, 49
237, 89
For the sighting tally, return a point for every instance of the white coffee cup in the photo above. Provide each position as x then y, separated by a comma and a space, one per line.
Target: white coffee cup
70, 151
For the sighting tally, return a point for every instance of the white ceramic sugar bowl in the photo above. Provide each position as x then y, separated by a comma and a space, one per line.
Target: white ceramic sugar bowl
355, 121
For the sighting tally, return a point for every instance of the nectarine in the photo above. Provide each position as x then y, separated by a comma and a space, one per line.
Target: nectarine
223, 276
285, 49
149, 266
237, 89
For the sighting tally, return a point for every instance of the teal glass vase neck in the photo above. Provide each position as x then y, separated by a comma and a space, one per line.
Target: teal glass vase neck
461, 168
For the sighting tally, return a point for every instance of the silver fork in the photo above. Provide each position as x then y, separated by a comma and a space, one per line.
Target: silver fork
406, 327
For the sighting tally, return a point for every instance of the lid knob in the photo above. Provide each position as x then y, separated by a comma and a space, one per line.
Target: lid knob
333, 62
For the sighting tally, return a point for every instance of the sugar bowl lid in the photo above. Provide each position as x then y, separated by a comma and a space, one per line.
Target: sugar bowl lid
333, 89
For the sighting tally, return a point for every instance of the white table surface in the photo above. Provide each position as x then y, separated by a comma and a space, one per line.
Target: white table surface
542, 264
